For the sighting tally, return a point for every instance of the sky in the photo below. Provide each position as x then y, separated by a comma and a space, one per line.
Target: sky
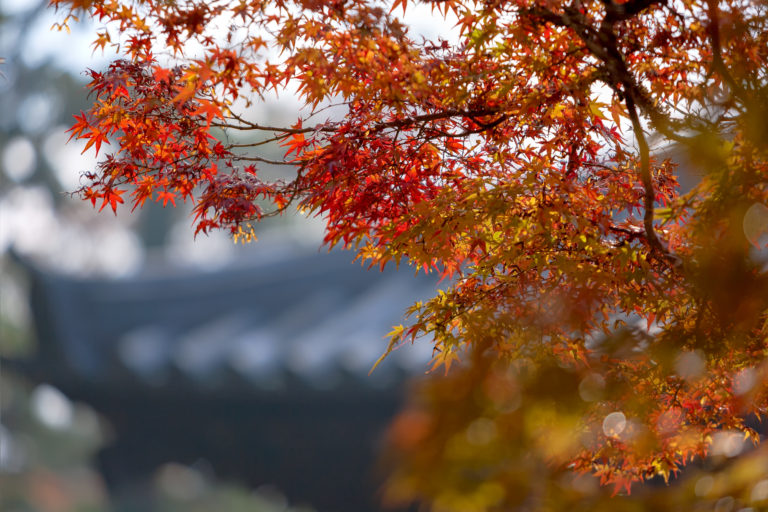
73, 51
69, 51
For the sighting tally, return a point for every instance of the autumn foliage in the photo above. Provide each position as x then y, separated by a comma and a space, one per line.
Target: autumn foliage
589, 177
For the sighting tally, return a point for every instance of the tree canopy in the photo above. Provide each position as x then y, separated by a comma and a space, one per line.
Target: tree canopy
590, 177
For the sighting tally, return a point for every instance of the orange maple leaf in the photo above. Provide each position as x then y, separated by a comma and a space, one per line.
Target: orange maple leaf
111, 197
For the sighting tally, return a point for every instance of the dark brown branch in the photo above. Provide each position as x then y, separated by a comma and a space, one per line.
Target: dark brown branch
603, 44
255, 144
649, 196
263, 160
247, 125
620, 12
470, 114
397, 123
713, 29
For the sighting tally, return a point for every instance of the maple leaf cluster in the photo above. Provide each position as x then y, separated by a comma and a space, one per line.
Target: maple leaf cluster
605, 318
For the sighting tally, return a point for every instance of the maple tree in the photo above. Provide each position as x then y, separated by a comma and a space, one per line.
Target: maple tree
605, 317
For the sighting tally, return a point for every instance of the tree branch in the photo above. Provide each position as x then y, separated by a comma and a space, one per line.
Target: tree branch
620, 12
713, 29
397, 123
603, 44
649, 196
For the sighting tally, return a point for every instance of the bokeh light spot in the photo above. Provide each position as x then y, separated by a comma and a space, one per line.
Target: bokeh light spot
760, 491
756, 224
728, 444
51, 407
744, 381
724, 504
704, 486
690, 365
481, 431
614, 424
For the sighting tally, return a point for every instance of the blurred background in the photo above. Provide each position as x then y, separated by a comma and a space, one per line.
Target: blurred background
144, 369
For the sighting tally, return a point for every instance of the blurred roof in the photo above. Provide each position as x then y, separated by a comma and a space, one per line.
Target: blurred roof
304, 321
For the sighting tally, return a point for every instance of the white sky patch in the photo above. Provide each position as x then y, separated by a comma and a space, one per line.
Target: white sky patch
18, 159
67, 51
423, 21
77, 240
27, 219
213, 250
14, 7
37, 111
67, 158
